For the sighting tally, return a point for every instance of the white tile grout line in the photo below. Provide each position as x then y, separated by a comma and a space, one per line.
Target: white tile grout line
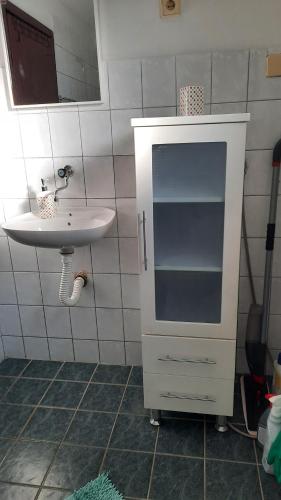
114, 423
153, 462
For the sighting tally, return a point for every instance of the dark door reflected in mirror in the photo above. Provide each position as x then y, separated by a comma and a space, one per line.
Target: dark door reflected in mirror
52, 51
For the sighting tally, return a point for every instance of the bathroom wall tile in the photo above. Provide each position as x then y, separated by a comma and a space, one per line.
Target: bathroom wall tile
65, 133
194, 69
2, 220
23, 257
257, 256
13, 347
275, 305
107, 290
28, 288
105, 255
12, 208
83, 323
5, 259
49, 260
159, 112
129, 255
50, 283
10, 136
7, 289
228, 107
245, 299
127, 217
10, 320
130, 291
260, 86
99, 177
33, 321
262, 132
274, 331
133, 353
35, 135
229, 76
122, 131
76, 186
36, 348
37, 169
61, 350
125, 176
58, 322
125, 84
112, 352
86, 351
13, 179
259, 173
159, 81
108, 203
256, 210
96, 133
110, 324
132, 325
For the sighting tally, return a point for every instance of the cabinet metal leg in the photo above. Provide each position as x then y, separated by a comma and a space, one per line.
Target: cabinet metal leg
155, 417
221, 423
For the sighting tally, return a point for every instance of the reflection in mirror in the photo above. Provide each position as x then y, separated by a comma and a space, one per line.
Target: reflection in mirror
52, 51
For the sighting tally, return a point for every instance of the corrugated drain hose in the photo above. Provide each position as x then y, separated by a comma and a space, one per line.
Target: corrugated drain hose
66, 283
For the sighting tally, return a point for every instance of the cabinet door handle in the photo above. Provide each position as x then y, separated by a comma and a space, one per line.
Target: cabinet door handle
191, 397
203, 361
144, 240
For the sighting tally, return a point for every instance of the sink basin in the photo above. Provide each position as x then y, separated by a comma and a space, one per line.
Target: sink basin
73, 227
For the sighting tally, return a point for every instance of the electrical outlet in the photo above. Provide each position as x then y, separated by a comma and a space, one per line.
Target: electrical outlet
170, 7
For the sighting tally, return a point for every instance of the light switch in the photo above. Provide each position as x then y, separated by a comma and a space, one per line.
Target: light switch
273, 65
170, 7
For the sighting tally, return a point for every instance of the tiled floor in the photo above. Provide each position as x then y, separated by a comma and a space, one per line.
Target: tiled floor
61, 424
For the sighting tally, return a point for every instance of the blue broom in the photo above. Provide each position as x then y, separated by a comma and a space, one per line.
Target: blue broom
99, 489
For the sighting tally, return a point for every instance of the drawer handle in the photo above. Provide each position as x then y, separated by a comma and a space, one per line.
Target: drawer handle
192, 397
203, 361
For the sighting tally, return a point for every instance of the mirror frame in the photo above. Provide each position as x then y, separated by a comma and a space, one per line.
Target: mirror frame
101, 68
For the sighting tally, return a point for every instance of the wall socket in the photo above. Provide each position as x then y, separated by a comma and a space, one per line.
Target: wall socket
170, 8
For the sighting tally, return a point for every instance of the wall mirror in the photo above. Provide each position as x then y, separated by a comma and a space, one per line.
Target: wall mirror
52, 50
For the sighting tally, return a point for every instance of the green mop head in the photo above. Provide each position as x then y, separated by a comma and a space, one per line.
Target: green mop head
99, 489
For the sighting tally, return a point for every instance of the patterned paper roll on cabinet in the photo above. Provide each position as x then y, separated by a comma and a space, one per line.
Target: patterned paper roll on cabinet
190, 173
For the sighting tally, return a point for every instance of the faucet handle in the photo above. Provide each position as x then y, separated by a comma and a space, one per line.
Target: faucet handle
65, 172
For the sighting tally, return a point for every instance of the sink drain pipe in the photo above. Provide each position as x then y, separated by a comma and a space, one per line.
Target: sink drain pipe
67, 284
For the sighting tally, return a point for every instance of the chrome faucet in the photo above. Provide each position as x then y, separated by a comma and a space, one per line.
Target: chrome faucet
63, 173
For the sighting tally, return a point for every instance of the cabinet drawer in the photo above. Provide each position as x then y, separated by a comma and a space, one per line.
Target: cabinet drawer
188, 394
189, 356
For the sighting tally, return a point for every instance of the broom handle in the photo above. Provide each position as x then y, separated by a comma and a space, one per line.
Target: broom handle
276, 164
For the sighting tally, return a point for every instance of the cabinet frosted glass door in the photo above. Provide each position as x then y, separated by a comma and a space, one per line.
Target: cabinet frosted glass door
188, 184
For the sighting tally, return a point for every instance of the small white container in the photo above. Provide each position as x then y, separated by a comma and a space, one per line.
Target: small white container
46, 202
191, 100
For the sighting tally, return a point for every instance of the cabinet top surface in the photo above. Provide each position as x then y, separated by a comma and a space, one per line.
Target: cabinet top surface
190, 120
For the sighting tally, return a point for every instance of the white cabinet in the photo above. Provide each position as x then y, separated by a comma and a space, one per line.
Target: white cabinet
190, 174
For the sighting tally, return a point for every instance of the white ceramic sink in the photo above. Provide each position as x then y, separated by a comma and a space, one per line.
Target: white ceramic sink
73, 227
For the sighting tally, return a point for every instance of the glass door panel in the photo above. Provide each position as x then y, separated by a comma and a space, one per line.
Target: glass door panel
188, 219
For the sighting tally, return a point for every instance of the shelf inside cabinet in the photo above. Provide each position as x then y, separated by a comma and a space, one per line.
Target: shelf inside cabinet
188, 236
205, 269
189, 199
189, 171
